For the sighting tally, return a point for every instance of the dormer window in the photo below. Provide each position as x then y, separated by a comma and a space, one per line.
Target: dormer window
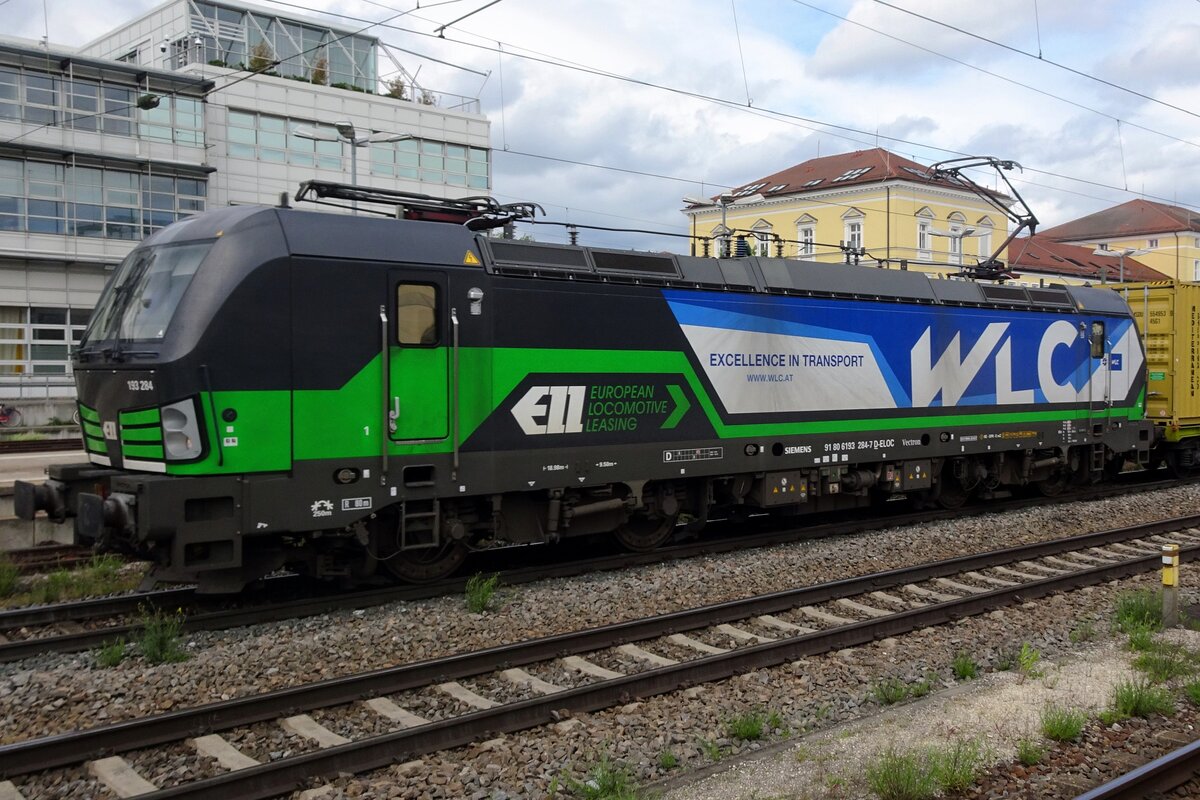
851, 174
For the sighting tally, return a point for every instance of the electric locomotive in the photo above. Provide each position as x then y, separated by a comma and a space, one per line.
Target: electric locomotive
269, 387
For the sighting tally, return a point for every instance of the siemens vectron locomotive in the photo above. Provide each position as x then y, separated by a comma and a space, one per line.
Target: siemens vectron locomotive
268, 387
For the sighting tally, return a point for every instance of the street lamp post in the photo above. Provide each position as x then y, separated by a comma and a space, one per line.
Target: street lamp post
725, 200
954, 236
347, 133
1127, 251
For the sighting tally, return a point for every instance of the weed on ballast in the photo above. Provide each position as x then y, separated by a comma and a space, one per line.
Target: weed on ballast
52, 588
1141, 640
160, 642
711, 750
1028, 660
923, 686
1165, 662
103, 576
956, 766
10, 576
481, 592
1138, 699
1061, 724
890, 691
894, 775
965, 668
1139, 611
111, 653
1083, 632
747, 727
605, 780
1030, 751
668, 760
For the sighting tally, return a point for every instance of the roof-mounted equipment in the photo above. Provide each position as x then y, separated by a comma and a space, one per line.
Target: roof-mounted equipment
989, 268
476, 213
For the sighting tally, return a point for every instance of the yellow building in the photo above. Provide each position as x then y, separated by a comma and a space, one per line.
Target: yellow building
871, 199
1163, 237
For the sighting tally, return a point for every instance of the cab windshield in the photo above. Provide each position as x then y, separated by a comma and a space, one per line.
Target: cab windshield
139, 302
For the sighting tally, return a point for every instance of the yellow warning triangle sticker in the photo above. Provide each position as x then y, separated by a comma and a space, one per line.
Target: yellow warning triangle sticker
470, 259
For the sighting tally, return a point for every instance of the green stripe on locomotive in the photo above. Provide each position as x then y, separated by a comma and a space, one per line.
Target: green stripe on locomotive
346, 422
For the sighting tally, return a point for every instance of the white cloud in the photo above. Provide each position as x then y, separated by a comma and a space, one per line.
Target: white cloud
790, 59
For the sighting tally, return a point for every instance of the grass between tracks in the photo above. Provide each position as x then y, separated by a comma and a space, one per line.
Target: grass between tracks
105, 575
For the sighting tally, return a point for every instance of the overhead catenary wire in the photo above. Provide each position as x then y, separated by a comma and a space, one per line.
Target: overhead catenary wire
794, 119
766, 113
1038, 57
990, 73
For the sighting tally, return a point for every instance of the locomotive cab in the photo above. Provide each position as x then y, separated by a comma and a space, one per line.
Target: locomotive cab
193, 309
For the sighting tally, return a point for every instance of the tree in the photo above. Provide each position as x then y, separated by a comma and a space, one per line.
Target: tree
262, 57
396, 88
320, 70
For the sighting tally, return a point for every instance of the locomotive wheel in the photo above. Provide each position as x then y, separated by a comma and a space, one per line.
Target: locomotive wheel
426, 565
1175, 465
642, 534
1053, 487
952, 494
413, 565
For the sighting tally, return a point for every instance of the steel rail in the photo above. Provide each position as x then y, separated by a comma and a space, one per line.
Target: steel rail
1160, 775
70, 748
285, 775
131, 604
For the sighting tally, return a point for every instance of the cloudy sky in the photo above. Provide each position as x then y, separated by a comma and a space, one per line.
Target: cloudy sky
608, 112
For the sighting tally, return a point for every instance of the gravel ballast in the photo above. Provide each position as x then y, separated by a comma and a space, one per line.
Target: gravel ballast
57, 693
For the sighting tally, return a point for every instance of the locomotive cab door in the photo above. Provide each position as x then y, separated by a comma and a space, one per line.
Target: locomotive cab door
418, 394
1099, 387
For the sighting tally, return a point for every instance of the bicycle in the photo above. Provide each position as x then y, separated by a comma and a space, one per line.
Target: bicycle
10, 416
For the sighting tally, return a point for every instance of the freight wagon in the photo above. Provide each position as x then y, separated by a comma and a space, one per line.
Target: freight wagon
1168, 317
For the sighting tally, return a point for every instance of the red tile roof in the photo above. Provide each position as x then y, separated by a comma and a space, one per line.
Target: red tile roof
1039, 254
843, 169
1135, 218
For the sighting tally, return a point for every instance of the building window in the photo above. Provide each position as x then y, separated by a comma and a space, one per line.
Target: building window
264, 137
43, 197
232, 37
806, 237
923, 248
1196, 269
763, 236
98, 106
854, 233
37, 340
985, 240
1152, 243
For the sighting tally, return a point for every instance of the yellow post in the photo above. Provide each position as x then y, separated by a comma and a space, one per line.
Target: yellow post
1170, 579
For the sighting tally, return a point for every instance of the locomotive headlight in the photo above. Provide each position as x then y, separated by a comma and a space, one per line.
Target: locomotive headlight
181, 434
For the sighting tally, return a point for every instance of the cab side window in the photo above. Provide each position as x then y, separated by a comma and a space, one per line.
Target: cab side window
416, 314
1097, 340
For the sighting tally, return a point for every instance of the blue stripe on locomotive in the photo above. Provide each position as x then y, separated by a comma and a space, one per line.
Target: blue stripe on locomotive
892, 331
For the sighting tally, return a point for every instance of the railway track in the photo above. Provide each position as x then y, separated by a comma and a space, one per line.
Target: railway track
1160, 776
447, 702
48, 557
39, 445
84, 625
